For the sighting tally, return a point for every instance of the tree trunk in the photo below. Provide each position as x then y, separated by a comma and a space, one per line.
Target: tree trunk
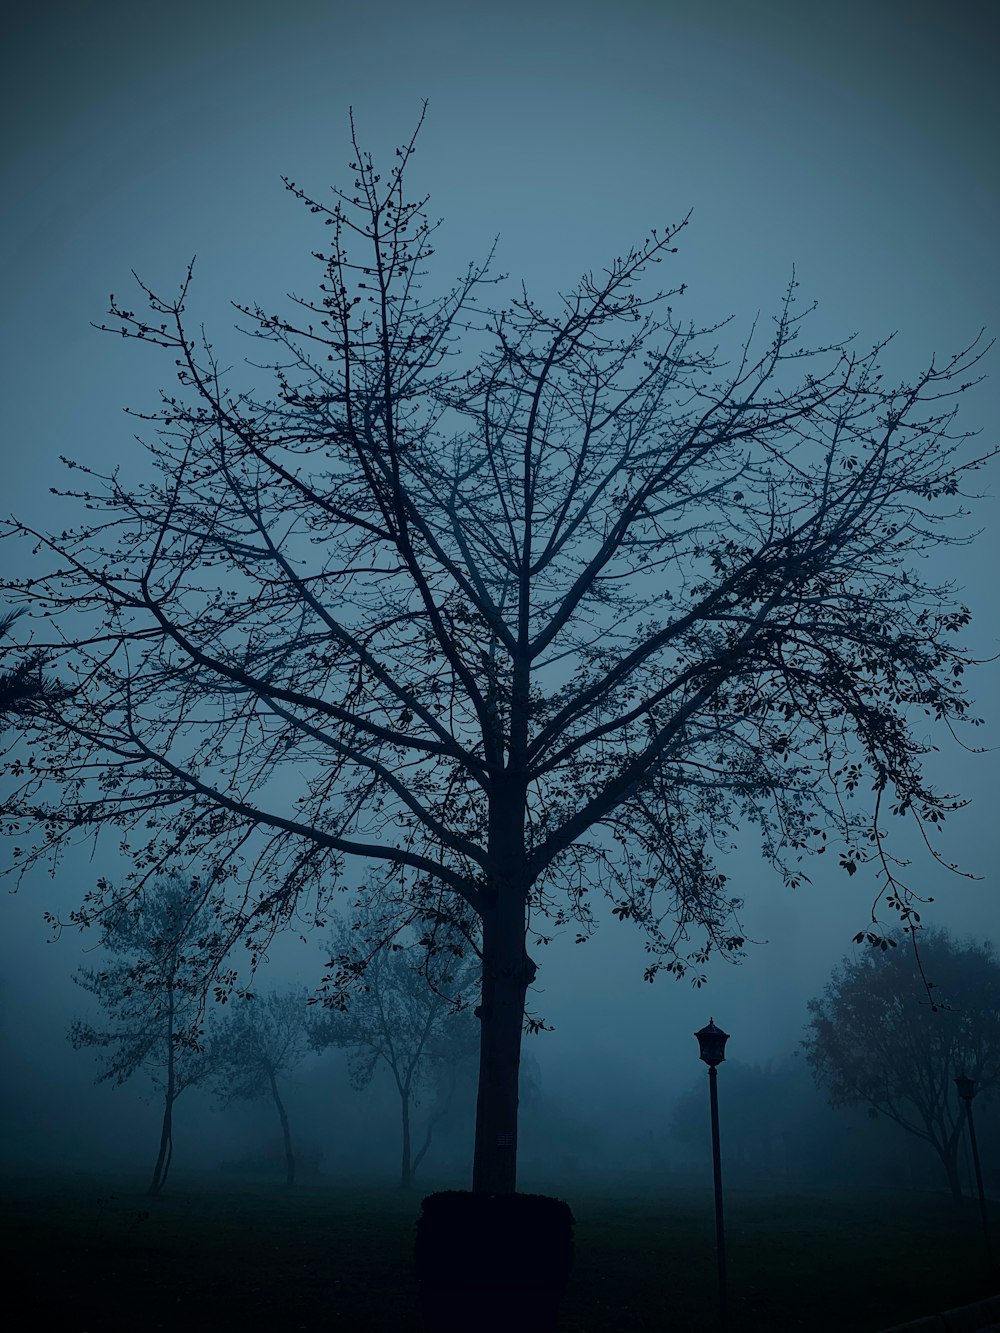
507, 969
166, 1146
439, 1112
285, 1132
424, 1147
166, 1129
405, 1172
949, 1160
507, 973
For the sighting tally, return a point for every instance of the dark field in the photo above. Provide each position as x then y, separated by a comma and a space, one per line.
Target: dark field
92, 1255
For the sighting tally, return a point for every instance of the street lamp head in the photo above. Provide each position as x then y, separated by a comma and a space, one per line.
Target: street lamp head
966, 1087
712, 1043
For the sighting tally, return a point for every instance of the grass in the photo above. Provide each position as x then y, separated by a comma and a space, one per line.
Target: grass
89, 1256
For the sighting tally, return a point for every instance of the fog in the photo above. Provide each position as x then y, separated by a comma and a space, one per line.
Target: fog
857, 142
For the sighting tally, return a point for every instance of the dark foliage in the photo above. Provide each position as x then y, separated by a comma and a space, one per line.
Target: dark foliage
876, 1039
24, 686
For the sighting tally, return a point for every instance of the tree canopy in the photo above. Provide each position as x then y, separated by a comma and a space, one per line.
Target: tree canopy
518, 606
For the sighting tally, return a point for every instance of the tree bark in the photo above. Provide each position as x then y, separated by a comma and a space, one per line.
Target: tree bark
502, 1017
507, 973
285, 1132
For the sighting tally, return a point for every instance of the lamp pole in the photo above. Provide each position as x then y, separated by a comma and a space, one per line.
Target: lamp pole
712, 1046
967, 1090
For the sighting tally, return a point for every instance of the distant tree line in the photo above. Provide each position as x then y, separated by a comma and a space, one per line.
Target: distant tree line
406, 1012
888, 1035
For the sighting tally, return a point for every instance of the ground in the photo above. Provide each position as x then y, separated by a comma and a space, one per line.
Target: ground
90, 1255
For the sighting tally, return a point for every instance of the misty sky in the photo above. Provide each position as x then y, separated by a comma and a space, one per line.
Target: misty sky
856, 141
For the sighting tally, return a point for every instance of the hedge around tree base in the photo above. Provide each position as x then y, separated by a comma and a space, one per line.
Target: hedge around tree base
494, 1262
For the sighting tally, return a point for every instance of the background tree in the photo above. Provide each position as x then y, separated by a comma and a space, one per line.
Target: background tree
777, 1125
521, 606
152, 992
23, 685
762, 1113
875, 1039
257, 1041
403, 1011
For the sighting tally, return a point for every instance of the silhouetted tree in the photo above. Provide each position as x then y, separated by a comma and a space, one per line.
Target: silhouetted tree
152, 991
875, 1039
259, 1040
519, 605
404, 1011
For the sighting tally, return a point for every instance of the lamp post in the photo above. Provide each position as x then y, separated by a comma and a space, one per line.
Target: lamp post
712, 1049
967, 1090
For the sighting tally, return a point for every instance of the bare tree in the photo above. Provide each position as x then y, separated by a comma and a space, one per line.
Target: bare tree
876, 1040
404, 1011
518, 606
258, 1041
152, 990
